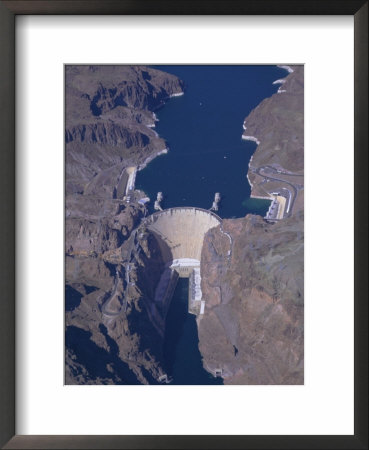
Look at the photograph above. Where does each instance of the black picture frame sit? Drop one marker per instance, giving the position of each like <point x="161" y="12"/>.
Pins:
<point x="8" y="12"/>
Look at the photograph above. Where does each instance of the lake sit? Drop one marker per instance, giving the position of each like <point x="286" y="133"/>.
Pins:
<point x="203" y="129"/>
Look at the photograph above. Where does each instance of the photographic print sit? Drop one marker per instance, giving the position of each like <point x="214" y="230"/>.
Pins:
<point x="184" y="224"/>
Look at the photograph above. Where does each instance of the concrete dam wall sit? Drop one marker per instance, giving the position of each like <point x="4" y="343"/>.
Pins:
<point x="180" y="231"/>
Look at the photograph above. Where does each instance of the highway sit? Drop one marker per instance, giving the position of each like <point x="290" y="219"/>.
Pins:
<point x="106" y="303"/>
<point x="229" y="254"/>
<point x="267" y="176"/>
<point x="274" y="170"/>
<point x="133" y="246"/>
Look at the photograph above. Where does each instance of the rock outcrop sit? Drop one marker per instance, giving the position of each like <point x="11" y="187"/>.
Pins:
<point x="253" y="323"/>
<point x="253" y="327"/>
<point x="278" y="124"/>
<point x="126" y="347"/>
<point x="109" y="120"/>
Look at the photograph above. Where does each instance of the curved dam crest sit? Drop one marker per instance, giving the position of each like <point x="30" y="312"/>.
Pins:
<point x="179" y="233"/>
<point x="183" y="230"/>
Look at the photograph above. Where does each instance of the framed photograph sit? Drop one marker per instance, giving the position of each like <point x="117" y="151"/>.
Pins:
<point x="184" y="242"/>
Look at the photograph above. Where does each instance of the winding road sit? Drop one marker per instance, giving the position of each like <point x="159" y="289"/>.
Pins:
<point x="295" y="187"/>
<point x="104" y="308"/>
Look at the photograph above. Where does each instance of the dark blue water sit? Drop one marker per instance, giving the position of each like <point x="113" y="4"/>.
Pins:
<point x="203" y="130"/>
<point x="181" y="346"/>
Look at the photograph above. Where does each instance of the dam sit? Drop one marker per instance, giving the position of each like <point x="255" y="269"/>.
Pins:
<point x="179" y="233"/>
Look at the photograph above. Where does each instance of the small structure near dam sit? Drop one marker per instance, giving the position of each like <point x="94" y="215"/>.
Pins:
<point x="180" y="233"/>
<point x="214" y="206"/>
<point x="158" y="200"/>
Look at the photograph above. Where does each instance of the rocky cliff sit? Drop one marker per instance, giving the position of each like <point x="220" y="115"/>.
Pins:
<point x="109" y="119"/>
<point x="120" y="345"/>
<point x="253" y="326"/>
<point x="108" y="128"/>
<point x="278" y="124"/>
<point x="252" y="329"/>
